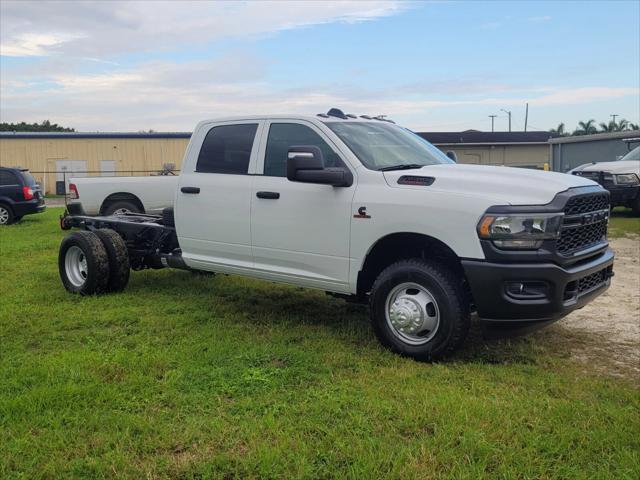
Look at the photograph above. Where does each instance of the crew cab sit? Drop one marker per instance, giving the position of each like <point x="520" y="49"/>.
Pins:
<point x="370" y="212"/>
<point x="117" y="195"/>
<point x="20" y="195"/>
<point x="620" y="177"/>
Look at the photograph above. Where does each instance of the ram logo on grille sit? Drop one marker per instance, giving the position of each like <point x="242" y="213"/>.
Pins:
<point x="589" y="218"/>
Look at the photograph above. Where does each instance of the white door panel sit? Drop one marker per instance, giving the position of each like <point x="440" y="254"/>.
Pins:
<point x="214" y="222"/>
<point x="303" y="234"/>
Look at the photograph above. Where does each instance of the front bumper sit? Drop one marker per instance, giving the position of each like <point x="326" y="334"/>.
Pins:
<point x="525" y="296"/>
<point x="623" y="194"/>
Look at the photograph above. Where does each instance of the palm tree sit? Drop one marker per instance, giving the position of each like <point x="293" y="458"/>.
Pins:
<point x="609" y="127"/>
<point x="634" y="126"/>
<point x="560" y="131"/>
<point x="586" y="128"/>
<point x="623" y="125"/>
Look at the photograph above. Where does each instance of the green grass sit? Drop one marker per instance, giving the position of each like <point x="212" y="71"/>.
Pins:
<point x="623" y="222"/>
<point x="187" y="376"/>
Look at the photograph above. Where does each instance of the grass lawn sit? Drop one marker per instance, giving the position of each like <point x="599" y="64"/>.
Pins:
<point x="623" y="222"/>
<point x="185" y="376"/>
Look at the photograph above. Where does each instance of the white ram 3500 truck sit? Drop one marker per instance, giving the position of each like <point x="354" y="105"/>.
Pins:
<point x="368" y="211"/>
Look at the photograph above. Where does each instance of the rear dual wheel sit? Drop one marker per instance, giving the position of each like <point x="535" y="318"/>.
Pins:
<point x="93" y="262"/>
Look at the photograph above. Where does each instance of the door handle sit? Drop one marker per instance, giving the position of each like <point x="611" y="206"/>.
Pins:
<point x="190" y="189"/>
<point x="268" y="195"/>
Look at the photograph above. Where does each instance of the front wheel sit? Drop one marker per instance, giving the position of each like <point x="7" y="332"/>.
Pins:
<point x="419" y="309"/>
<point x="635" y="207"/>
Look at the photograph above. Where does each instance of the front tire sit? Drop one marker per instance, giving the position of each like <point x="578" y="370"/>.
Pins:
<point x="118" y="254"/>
<point x="419" y="309"/>
<point x="635" y="207"/>
<point x="83" y="264"/>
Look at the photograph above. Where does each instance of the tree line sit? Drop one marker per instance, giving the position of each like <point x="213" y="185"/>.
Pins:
<point x="44" y="126"/>
<point x="590" y="127"/>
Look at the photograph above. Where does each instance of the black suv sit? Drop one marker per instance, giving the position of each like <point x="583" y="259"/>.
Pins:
<point x="19" y="195"/>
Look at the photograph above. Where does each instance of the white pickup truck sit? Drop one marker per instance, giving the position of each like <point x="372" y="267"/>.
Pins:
<point x="370" y="212"/>
<point x="117" y="195"/>
<point x="620" y="177"/>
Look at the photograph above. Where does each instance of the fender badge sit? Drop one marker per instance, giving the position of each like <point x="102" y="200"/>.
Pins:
<point x="362" y="213"/>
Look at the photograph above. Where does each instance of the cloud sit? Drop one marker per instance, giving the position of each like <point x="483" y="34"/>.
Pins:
<point x="175" y="96"/>
<point x="102" y="29"/>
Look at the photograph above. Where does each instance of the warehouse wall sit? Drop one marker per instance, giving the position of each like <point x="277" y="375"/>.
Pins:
<point x="129" y="154"/>
<point x="570" y="155"/>
<point x="43" y="156"/>
<point x="534" y="156"/>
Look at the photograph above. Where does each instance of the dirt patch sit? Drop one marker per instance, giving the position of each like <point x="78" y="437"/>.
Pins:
<point x="605" y="335"/>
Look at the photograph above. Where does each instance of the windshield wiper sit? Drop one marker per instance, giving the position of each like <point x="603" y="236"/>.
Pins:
<point x="402" y="166"/>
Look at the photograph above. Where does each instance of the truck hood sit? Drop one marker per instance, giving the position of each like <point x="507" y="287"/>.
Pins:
<point x="621" y="166"/>
<point x="504" y="185"/>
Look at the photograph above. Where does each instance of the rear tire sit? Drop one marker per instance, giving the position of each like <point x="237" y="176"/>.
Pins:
<point x="118" y="254"/>
<point x="6" y="215"/>
<point x="419" y="309"/>
<point x="122" y="206"/>
<point x="83" y="264"/>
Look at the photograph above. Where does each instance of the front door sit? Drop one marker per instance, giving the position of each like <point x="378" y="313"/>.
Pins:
<point x="213" y="201"/>
<point x="299" y="231"/>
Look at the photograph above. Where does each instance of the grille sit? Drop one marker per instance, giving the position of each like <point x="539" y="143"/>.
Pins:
<point x="575" y="236"/>
<point x="592" y="281"/>
<point x="587" y="284"/>
<point x="587" y="203"/>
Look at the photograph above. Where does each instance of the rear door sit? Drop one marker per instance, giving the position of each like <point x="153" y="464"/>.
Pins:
<point x="213" y="201"/>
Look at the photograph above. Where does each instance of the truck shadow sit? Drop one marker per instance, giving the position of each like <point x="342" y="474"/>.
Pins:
<point x="261" y="303"/>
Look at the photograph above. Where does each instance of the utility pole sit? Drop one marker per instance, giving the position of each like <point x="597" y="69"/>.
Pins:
<point x="614" y="115"/>
<point x="493" y="117"/>
<point x="508" y="113"/>
<point x="526" y="117"/>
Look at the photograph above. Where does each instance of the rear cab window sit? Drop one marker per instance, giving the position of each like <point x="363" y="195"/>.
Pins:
<point x="227" y="149"/>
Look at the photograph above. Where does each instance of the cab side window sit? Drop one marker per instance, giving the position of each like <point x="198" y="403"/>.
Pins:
<point x="284" y="135"/>
<point x="227" y="149"/>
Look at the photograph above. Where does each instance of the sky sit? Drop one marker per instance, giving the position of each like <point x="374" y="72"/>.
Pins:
<point x="430" y="66"/>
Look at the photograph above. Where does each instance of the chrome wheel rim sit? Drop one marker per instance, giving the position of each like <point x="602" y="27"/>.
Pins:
<point x="412" y="313"/>
<point x="121" y="211"/>
<point x="75" y="266"/>
<point x="4" y="216"/>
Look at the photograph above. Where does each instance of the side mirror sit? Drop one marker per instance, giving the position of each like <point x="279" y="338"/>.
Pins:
<point x="452" y="155"/>
<point x="305" y="164"/>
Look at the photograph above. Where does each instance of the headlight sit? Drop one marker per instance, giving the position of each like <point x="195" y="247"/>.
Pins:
<point x="520" y="231"/>
<point x="626" y="179"/>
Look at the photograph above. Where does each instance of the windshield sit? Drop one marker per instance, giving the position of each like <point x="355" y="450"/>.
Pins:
<point x="382" y="145"/>
<point x="632" y="155"/>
